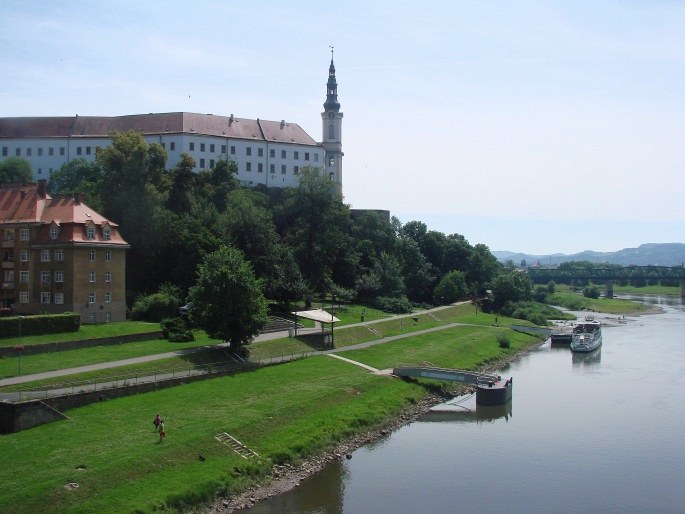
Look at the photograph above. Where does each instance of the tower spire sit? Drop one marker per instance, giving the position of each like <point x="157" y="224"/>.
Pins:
<point x="331" y="103"/>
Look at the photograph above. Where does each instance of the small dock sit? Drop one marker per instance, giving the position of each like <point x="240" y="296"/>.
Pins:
<point x="490" y="389"/>
<point x="562" y="335"/>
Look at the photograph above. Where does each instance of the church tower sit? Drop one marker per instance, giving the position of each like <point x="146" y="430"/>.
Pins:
<point x="331" y="120"/>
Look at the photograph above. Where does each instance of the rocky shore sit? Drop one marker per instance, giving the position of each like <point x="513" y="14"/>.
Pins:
<point x="287" y="477"/>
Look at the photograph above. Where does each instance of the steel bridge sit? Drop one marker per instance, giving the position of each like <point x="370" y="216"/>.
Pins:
<point x="610" y="274"/>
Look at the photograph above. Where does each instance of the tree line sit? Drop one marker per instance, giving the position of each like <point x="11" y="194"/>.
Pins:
<point x="300" y="243"/>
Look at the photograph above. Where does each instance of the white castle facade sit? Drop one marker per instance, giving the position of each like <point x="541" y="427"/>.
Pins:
<point x="269" y="153"/>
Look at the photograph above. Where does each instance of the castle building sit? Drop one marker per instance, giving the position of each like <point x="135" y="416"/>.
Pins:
<point x="268" y="153"/>
<point x="60" y="255"/>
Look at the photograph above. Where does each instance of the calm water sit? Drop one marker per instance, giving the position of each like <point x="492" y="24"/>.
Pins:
<point x="595" y="433"/>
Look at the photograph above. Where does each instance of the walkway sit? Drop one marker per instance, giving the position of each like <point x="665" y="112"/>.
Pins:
<point x="264" y="337"/>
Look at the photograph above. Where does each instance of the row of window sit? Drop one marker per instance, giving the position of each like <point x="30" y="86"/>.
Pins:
<point x="58" y="298"/>
<point x="59" y="255"/>
<point x="80" y="150"/>
<point x="25" y="233"/>
<point x="248" y="151"/>
<point x="46" y="277"/>
<point x="272" y="168"/>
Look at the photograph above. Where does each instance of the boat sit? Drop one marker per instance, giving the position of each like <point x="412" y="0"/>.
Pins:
<point x="587" y="336"/>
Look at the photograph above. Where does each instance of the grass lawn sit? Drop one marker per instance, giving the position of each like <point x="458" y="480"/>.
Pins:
<point x="656" y="290"/>
<point x="283" y="412"/>
<point x="85" y="332"/>
<point x="30" y="364"/>
<point x="577" y="302"/>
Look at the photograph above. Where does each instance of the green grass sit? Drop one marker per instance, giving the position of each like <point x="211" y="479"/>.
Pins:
<point x="85" y="332"/>
<point x="39" y="363"/>
<point x="577" y="302"/>
<point x="660" y="290"/>
<point x="284" y="412"/>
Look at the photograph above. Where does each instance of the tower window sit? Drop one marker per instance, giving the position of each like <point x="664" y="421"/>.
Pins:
<point x="331" y="131"/>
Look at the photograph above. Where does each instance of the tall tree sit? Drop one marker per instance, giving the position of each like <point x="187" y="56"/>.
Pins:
<point x="227" y="299"/>
<point x="78" y="176"/>
<point x="320" y="226"/>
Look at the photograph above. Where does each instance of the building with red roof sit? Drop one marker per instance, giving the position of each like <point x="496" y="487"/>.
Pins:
<point x="60" y="255"/>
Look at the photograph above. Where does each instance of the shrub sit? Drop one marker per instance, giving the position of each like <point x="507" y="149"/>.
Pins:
<point x="540" y="294"/>
<point x="503" y="341"/>
<point x="40" y="324"/>
<point x="551" y="287"/>
<point x="176" y="330"/>
<point x="155" y="307"/>
<point x="397" y="305"/>
<point x="591" y="292"/>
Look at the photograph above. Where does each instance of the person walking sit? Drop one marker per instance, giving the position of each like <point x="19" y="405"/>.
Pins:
<point x="162" y="433"/>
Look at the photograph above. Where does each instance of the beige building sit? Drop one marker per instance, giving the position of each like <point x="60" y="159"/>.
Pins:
<point x="60" y="255"/>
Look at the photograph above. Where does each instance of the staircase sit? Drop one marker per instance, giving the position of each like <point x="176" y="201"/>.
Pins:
<point x="236" y="445"/>
<point x="279" y="324"/>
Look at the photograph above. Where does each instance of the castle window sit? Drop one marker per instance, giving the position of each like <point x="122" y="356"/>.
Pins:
<point x="59" y="255"/>
<point x="283" y="154"/>
<point x="45" y="277"/>
<point x="296" y="169"/>
<point x="91" y="255"/>
<point x="306" y="156"/>
<point x="4" y="151"/>
<point x="51" y="151"/>
<point x="91" y="276"/>
<point x="248" y="166"/>
<point x="78" y="150"/>
<point x="223" y="149"/>
<point x="87" y="150"/>
<point x="106" y="234"/>
<point x="260" y="168"/>
<point x="40" y="151"/>
<point x="283" y="169"/>
<point x="91" y="297"/>
<point x="272" y="153"/>
<point x="108" y="255"/>
<point x="163" y="144"/>
<point x="17" y="152"/>
<point x="211" y="164"/>
<point x="108" y="276"/>
<point x="331" y="161"/>
<point x="260" y="152"/>
<point x="191" y="147"/>
<point x="172" y="146"/>
<point x="296" y="155"/>
<point x="212" y="148"/>
<point x="108" y="296"/>
<point x="45" y="256"/>
<point x="61" y="150"/>
<point x="202" y="163"/>
<point x="90" y="233"/>
<point x="272" y="168"/>
<point x="233" y="150"/>
<point x="316" y="157"/>
<point x="91" y="317"/>
<point x="248" y="150"/>
<point x="28" y="152"/>
<point x="202" y="147"/>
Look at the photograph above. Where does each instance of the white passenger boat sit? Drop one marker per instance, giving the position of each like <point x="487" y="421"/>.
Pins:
<point x="587" y="336"/>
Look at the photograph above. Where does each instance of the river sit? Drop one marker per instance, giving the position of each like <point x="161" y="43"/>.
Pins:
<point x="590" y="433"/>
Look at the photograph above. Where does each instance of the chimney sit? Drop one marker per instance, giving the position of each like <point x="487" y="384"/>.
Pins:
<point x="42" y="188"/>
<point x="282" y="123"/>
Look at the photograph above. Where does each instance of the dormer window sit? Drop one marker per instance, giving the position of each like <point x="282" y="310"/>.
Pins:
<point x="90" y="233"/>
<point x="106" y="233"/>
<point x="54" y="232"/>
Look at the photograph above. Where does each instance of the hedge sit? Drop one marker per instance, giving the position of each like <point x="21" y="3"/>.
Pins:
<point x="40" y="324"/>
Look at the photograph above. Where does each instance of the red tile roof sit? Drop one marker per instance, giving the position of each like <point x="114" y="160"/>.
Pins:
<point x="163" y="123"/>
<point x="32" y="204"/>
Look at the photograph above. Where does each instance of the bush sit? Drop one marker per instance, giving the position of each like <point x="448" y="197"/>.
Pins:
<point x="176" y="330"/>
<point x="155" y="307"/>
<point x="40" y="324"/>
<point x="540" y="294"/>
<point x="397" y="305"/>
<point x="551" y="287"/>
<point x="503" y="341"/>
<point x="591" y="292"/>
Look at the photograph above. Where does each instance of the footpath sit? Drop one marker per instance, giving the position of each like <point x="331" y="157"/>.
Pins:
<point x="196" y="371"/>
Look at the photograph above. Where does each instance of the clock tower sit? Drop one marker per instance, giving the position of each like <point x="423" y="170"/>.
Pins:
<point x="332" y="130"/>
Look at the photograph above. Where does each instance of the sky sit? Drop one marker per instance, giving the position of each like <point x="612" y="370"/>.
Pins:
<point x="530" y="126"/>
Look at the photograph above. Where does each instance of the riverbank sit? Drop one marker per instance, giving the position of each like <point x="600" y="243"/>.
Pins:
<point x="287" y="477"/>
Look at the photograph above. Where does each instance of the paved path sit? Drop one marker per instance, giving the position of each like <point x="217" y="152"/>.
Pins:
<point x="262" y="337"/>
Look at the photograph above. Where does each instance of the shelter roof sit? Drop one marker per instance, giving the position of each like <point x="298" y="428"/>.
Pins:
<point x="317" y="315"/>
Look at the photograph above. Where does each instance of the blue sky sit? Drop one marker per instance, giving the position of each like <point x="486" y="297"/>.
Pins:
<point x="532" y="126"/>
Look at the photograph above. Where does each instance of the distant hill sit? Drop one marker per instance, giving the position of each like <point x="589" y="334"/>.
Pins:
<point x="656" y="254"/>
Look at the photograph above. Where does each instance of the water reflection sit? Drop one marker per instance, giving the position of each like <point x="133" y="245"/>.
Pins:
<point x="588" y="360"/>
<point x="450" y="413"/>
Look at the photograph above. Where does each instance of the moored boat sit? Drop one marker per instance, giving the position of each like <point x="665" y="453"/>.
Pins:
<point x="587" y="336"/>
